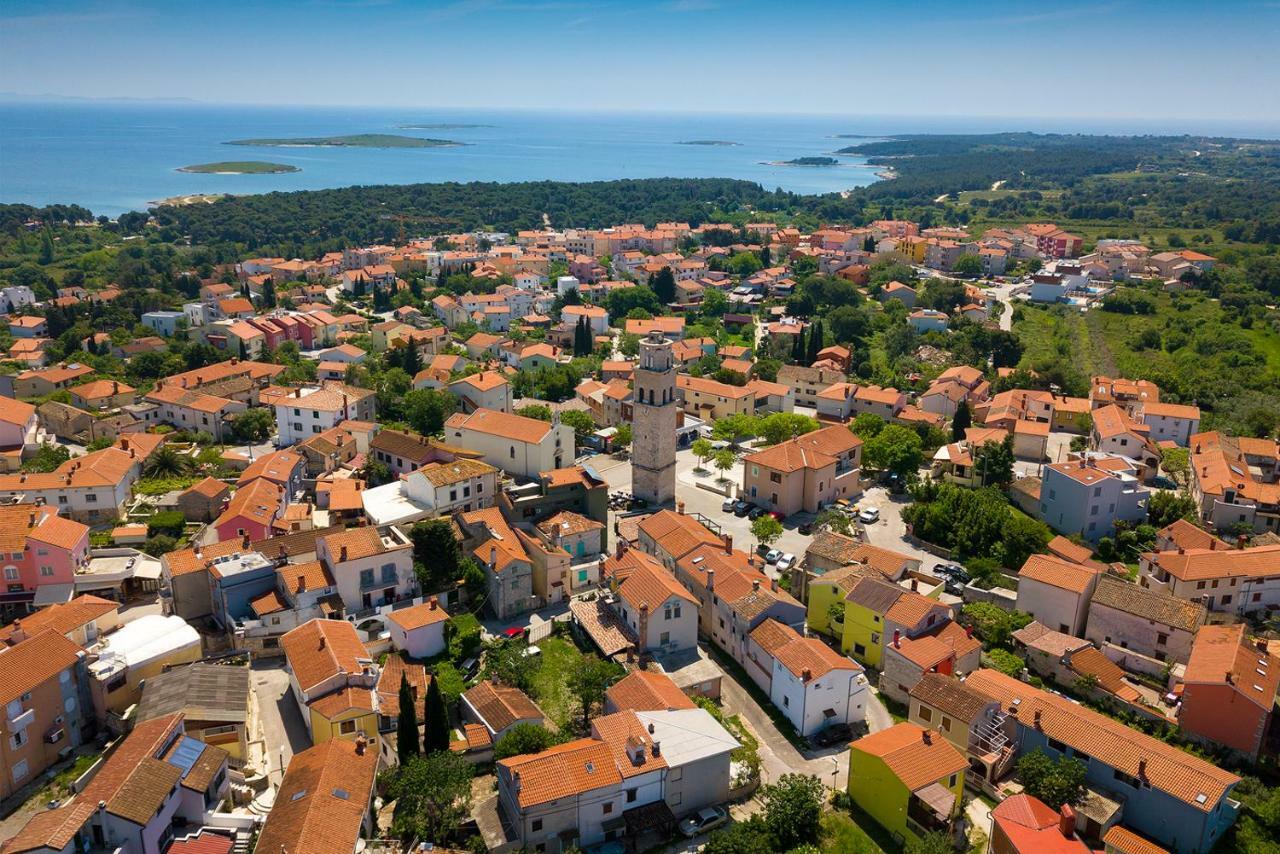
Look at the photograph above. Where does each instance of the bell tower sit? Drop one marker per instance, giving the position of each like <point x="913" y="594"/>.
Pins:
<point x="653" y="422"/>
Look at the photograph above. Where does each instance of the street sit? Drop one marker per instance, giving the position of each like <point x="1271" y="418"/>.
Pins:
<point x="280" y="721"/>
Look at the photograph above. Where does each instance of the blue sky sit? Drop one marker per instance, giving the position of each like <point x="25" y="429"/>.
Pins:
<point x="918" y="57"/>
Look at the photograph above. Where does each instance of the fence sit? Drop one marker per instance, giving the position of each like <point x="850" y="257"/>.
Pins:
<point x="540" y="631"/>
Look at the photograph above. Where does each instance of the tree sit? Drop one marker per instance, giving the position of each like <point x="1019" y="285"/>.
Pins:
<point x="47" y="458"/>
<point x="622" y="438"/>
<point x="723" y="460"/>
<point x="506" y="661"/>
<point x="991" y="623"/>
<point x="433" y="796"/>
<point x="735" y="428"/>
<point x="743" y="837"/>
<point x="766" y="530"/>
<point x="427" y="409"/>
<point x="589" y="680"/>
<point x="522" y="739"/>
<point x="580" y="421"/>
<point x="896" y="449"/>
<point x="793" y="810"/>
<point x="663" y="285"/>
<point x="435" y="717"/>
<point x="703" y="450"/>
<point x="253" y="425"/>
<point x="867" y="425"/>
<point x="1176" y="463"/>
<point x="815" y="342"/>
<point x="960" y="421"/>
<point x="848" y="324"/>
<point x="968" y="267"/>
<point x="781" y="426"/>
<point x="46" y="246"/>
<point x="407" y="745"/>
<point x="994" y="462"/>
<point x="269" y="294"/>
<point x="629" y="344"/>
<point x="1054" y="782"/>
<point x="165" y="461"/>
<point x="1165" y="508"/>
<point x="436" y="555"/>
<point x="934" y="842"/>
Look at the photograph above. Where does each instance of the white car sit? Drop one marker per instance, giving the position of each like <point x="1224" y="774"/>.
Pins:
<point x="707" y="818"/>
<point x="772" y="556"/>
<point x="785" y="562"/>
<point x="869" y="515"/>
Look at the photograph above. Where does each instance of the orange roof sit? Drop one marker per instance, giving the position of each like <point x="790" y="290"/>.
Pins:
<point x="1222" y="655"/>
<point x="62" y="618"/>
<point x="910" y="608"/>
<point x="501" y="706"/>
<point x="209" y="488"/>
<point x="34" y="661"/>
<point x="649" y="586"/>
<point x="646" y="691"/>
<point x="358" y="543"/>
<point x="916" y="756"/>
<point x="1203" y="564"/>
<point x="1056" y="572"/>
<point x="302" y="577"/>
<point x="1032" y="825"/>
<point x="1124" y="841"/>
<point x="320" y="649"/>
<point x="344" y="700"/>
<point x="323" y="799"/>
<point x="420" y="615"/>
<point x="805" y="658"/>
<point x="566" y="769"/>
<point x="494" y="423"/>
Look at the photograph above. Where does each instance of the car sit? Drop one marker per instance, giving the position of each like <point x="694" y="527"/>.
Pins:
<point x="1162" y="482"/>
<point x="772" y="556"/>
<point x="785" y="562"/>
<point x="777" y="515"/>
<point x="868" y="515"/>
<point x="955" y="588"/>
<point x="805" y="528"/>
<point x="728" y="504"/>
<point x="755" y="513"/>
<point x="742" y="508"/>
<point x="513" y="632"/>
<point x="705" y="819"/>
<point x="953" y="571"/>
<point x="834" y="734"/>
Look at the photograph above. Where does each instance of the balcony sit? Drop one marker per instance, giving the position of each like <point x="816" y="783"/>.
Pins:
<point x="22" y="721"/>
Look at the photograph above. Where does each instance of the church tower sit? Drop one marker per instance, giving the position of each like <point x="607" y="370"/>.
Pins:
<point x="653" y="423"/>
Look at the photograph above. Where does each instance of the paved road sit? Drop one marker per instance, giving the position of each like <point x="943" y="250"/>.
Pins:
<point x="890" y="532"/>
<point x="1002" y="293"/>
<point x="279" y="720"/>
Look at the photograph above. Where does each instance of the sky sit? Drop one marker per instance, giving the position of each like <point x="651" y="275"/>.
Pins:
<point x="1138" y="60"/>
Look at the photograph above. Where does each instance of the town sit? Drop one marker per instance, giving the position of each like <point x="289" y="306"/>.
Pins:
<point x="734" y="536"/>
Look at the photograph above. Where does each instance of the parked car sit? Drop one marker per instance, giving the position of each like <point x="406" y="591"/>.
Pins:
<point x="785" y="562"/>
<point x="952" y="571"/>
<point x="834" y="734"/>
<point x="742" y="508"/>
<point x="707" y="818"/>
<point x="868" y="515"/>
<point x="805" y="528"/>
<point x="772" y="556"/>
<point x="1162" y="482"/>
<point x="728" y="504"/>
<point x="755" y="513"/>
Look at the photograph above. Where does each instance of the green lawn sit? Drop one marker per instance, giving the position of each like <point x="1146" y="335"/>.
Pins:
<point x="854" y="833"/>
<point x="559" y="658"/>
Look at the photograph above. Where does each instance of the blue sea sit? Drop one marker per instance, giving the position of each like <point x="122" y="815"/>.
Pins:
<point x="116" y="156"/>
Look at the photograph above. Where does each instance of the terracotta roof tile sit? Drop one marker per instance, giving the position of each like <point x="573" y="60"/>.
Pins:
<point x="322" y="801"/>
<point x="912" y="759"/>
<point x="646" y="691"/>
<point x="320" y="649"/>
<point x="501" y="705"/>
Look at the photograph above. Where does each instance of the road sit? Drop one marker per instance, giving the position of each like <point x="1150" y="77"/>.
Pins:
<point x="280" y="722"/>
<point x="1003" y="295"/>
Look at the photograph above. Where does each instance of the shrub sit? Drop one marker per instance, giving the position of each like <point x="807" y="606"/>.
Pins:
<point x="169" y="522"/>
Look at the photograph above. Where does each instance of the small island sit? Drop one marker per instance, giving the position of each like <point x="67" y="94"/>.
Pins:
<point x="240" y="167"/>
<point x="812" y="161"/>
<point x="359" y="140"/>
<point x="442" y="126"/>
<point x="708" y="142"/>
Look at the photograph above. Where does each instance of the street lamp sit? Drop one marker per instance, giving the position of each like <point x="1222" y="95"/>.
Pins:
<point x="835" y="772"/>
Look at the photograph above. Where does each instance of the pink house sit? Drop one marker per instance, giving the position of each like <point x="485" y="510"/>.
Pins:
<point x="38" y="547"/>
<point x="252" y="511"/>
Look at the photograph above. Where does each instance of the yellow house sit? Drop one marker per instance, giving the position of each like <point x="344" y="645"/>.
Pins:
<point x="909" y="779"/>
<point x="866" y="604"/>
<point x="344" y="714"/>
<point x="827" y="590"/>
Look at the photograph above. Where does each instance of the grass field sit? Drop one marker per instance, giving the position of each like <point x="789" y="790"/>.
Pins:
<point x="559" y="658"/>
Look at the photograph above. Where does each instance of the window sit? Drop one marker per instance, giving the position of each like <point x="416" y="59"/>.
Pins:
<point x="786" y="701"/>
<point x="859" y="649"/>
<point x="366" y="577"/>
<point x="11" y="573"/>
<point x="1162" y="638"/>
<point x="536" y="825"/>
<point x="926" y="714"/>
<point x="631" y="796"/>
<point x="951" y="783"/>
<point x="1122" y="777"/>
<point x="774" y="477"/>
<point x="91" y="497"/>
<point x="347" y="727"/>
<point x="19" y="770"/>
<point x="389" y="573"/>
<point x="513" y="452"/>
<point x="676" y="611"/>
<point x="18" y="739"/>
<point x="607" y="807"/>
<point x="946" y="724"/>
<point x="1062" y="627"/>
<point x="1199" y="585"/>
<point x="1226" y="600"/>
<point x="1057" y="745"/>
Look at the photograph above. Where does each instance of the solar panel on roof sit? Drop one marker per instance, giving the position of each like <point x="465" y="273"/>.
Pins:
<point x="186" y="754"/>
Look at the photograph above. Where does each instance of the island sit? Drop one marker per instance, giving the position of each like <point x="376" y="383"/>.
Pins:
<point x="708" y="142"/>
<point x="442" y="126"/>
<point x="359" y="140"/>
<point x="812" y="161"/>
<point x="240" y="167"/>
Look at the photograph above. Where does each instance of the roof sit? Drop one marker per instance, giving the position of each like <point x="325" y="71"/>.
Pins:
<point x="1031" y="825"/>
<point x="63" y="618"/>
<point x="567" y="769"/>
<point x="1090" y="661"/>
<point x="444" y="474"/>
<point x="417" y="616"/>
<point x="349" y="697"/>
<point x="874" y="594"/>
<point x="807" y="658"/>
<point x="1142" y="602"/>
<point x="1038" y="636"/>
<point x="650" y="586"/>
<point x="1187" y="535"/>
<point x="1056" y="572"/>
<point x="321" y="649"/>
<point x="323" y="799"/>
<point x="210" y="488"/>
<point x="915" y="761"/>
<point x="398" y="443"/>
<point x="950" y="696"/>
<point x="1124" y="841"/>
<point x="354" y="543"/>
<point x="1201" y="564"/>
<point x="645" y="690"/>
<point x="910" y="608"/>
<point x="201" y="692"/>
<point x="514" y="427"/>
<point x="34" y="661"/>
<point x="1067" y="550"/>
<point x="389" y="684"/>
<point x="1167" y="768"/>
<point x="500" y="706"/>
<point x="1222" y="655"/>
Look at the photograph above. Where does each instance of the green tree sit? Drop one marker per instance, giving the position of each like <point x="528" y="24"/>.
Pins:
<point x="536" y="411"/>
<point x="991" y="623"/>
<point x="743" y="837"/>
<point x="253" y="425"/>
<point x="407" y="745"/>
<point x="629" y="344"/>
<point x="165" y="461"/>
<point x="436" y="555"/>
<point x="47" y="458"/>
<point x="702" y="449"/>
<point x="867" y="425"/>
<point x="433" y="796"/>
<point x="1054" y="782"/>
<point x="1164" y="508"/>
<point x="723" y="460"/>
<point x="1176" y="463"/>
<point x="734" y="428"/>
<point x="766" y="530"/>
<point x="896" y="449"/>
<point x="580" y="421"/>
<point x="622" y="438"/>
<point x="269" y="294"/>
<point x="961" y="421"/>
<point x="994" y="462"/>
<point x="523" y="739"/>
<point x="505" y="660"/>
<point x="46" y="246"/>
<point x="934" y="842"/>
<point x="435" y="718"/>
<point x="663" y="285"/>
<point x="427" y="409"/>
<point x="780" y="426"/>
<point x="968" y="267"/>
<point x="793" y="810"/>
<point x="589" y="680"/>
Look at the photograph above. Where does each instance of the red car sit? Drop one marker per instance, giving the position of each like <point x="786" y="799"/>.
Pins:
<point x="513" y="632"/>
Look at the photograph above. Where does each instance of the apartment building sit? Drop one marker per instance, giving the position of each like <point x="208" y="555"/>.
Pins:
<point x="519" y="446"/>
<point x="805" y="473"/>
<point x="370" y="569"/>
<point x="1087" y="497"/>
<point x="1234" y="581"/>
<point x="310" y="410"/>
<point x="1236" y="481"/>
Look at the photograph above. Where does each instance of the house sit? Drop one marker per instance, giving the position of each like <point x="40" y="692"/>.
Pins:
<point x="519" y="446"/>
<point x="897" y="290"/>
<point x="436" y="489"/>
<point x="194" y="410"/>
<point x="671" y="328"/>
<point x="874" y="609"/>
<point x="806" y="383"/>
<point x="805" y="473"/>
<point x="310" y="410"/>
<point x="401" y="452"/>
<point x="394" y="669"/>
<point x="92" y="488"/>
<point x="597" y="318"/>
<point x="102" y="394"/>
<point x="40" y="549"/>
<point x="81" y="620"/>
<point x="135" y="652"/>
<point x="419" y="629"/>
<point x="48" y="380"/>
<point x="1023" y="824"/>
<point x="1142" y="621"/>
<point x="874" y="400"/>
<point x="1087" y="497"/>
<point x="1236" y="481"/>
<point x="370" y="569"/>
<point x="909" y="779"/>
<point x="928" y="320"/>
<point x="164" y="322"/>
<point x="509" y="569"/>
<point x="1229" y="690"/>
<point x="659" y="611"/>
<point x="1171" y="422"/>
<point x="498" y="708"/>
<point x="485" y="390"/>
<point x="1224" y="580"/>
<point x="949" y="649"/>
<point x="711" y="400"/>
<point x="1169" y="795"/>
<point x="1115" y="432"/>
<point x="332" y="677"/>
<point x="158" y="778"/>
<point x="645" y="691"/>
<point x="325" y="801"/>
<point x="811" y="684"/>
<point x="26" y="326"/>
<point x="46" y="699"/>
<point x="253" y="511"/>
<point x="1056" y="592"/>
<point x="634" y="769"/>
<point x="970" y="720"/>
<point x="203" y="501"/>
<point x="213" y="700"/>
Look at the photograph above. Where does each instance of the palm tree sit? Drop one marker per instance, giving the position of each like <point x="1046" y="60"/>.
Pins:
<point x="166" y="462"/>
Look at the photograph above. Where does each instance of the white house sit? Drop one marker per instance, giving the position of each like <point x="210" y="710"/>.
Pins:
<point x="660" y="611"/>
<point x="517" y="445"/>
<point x="369" y="569"/>
<point x="928" y="320"/>
<point x="311" y="410"/>
<point x="810" y="683"/>
<point x="419" y="629"/>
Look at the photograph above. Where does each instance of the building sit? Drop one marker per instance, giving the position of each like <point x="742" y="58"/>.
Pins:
<point x="1171" y="422"/>
<point x="970" y="720"/>
<point x="660" y="612"/>
<point x="805" y="473"/>
<point x="654" y="416"/>
<point x="1056" y="592"/>
<point x="46" y="700"/>
<point x="1166" y="794"/>
<point x="370" y="569"/>
<point x="82" y="620"/>
<point x="418" y="630"/>
<point x="1229" y="690"/>
<point x="508" y="567"/>
<point x="948" y="649"/>
<point x="645" y="691"/>
<point x="1023" y="824"/>
<point x="1086" y="498"/>
<point x="252" y="512"/>
<point x="519" y="446"/>
<point x="811" y="684"/>
<point x="401" y="452"/>
<point x="39" y="549"/>
<point x="325" y="801"/>
<point x="498" y="708"/>
<point x="1233" y="581"/>
<point x="134" y="653"/>
<point x="1236" y="480"/>
<point x="213" y="700"/>
<point x="711" y="400"/>
<point x="909" y="779"/>
<point x="485" y="390"/>
<point x="806" y="383"/>
<point x="332" y="677"/>
<point x="310" y="410"/>
<point x="163" y="322"/>
<point x="1142" y="621"/>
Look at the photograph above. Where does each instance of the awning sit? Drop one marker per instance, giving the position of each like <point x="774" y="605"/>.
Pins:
<point x="655" y="816"/>
<point x="938" y="798"/>
<point x="53" y="594"/>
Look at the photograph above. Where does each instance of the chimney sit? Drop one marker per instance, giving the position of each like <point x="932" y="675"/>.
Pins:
<point x="493" y="557"/>
<point x="968" y="631"/>
<point x="1213" y="546"/>
<point x="728" y="544"/>
<point x="806" y="674"/>
<point x="711" y="579"/>
<point x="323" y="641"/>
<point x="680" y="507"/>
<point x="897" y="637"/>
<point x="773" y="584"/>
<point x="360" y="743"/>
<point x="1067" y="821"/>
<point x="1142" y="769"/>
<point x="302" y="583"/>
<point x="1183" y="551"/>
<point x="926" y="736"/>
<point x="619" y="548"/>
<point x="1037" y="720"/>
<point x="657" y="748"/>
<point x="914" y="585"/>
<point x="644" y="626"/>
<point x="19" y="634"/>
<point x="245" y="542"/>
<point x="1240" y="541"/>
<point x="651" y="728"/>
<point x="342" y="555"/>
<point x="1231" y="678"/>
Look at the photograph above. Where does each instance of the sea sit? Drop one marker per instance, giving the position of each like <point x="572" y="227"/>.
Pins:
<point x="116" y="156"/>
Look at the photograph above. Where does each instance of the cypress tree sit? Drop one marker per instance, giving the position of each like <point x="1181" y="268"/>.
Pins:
<point x="797" y="348"/>
<point x="269" y="294"/>
<point x="406" y="724"/>
<point x="435" y="736"/>
<point x="815" y="341"/>
<point x="411" y="360"/>
<point x="960" y="421"/>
